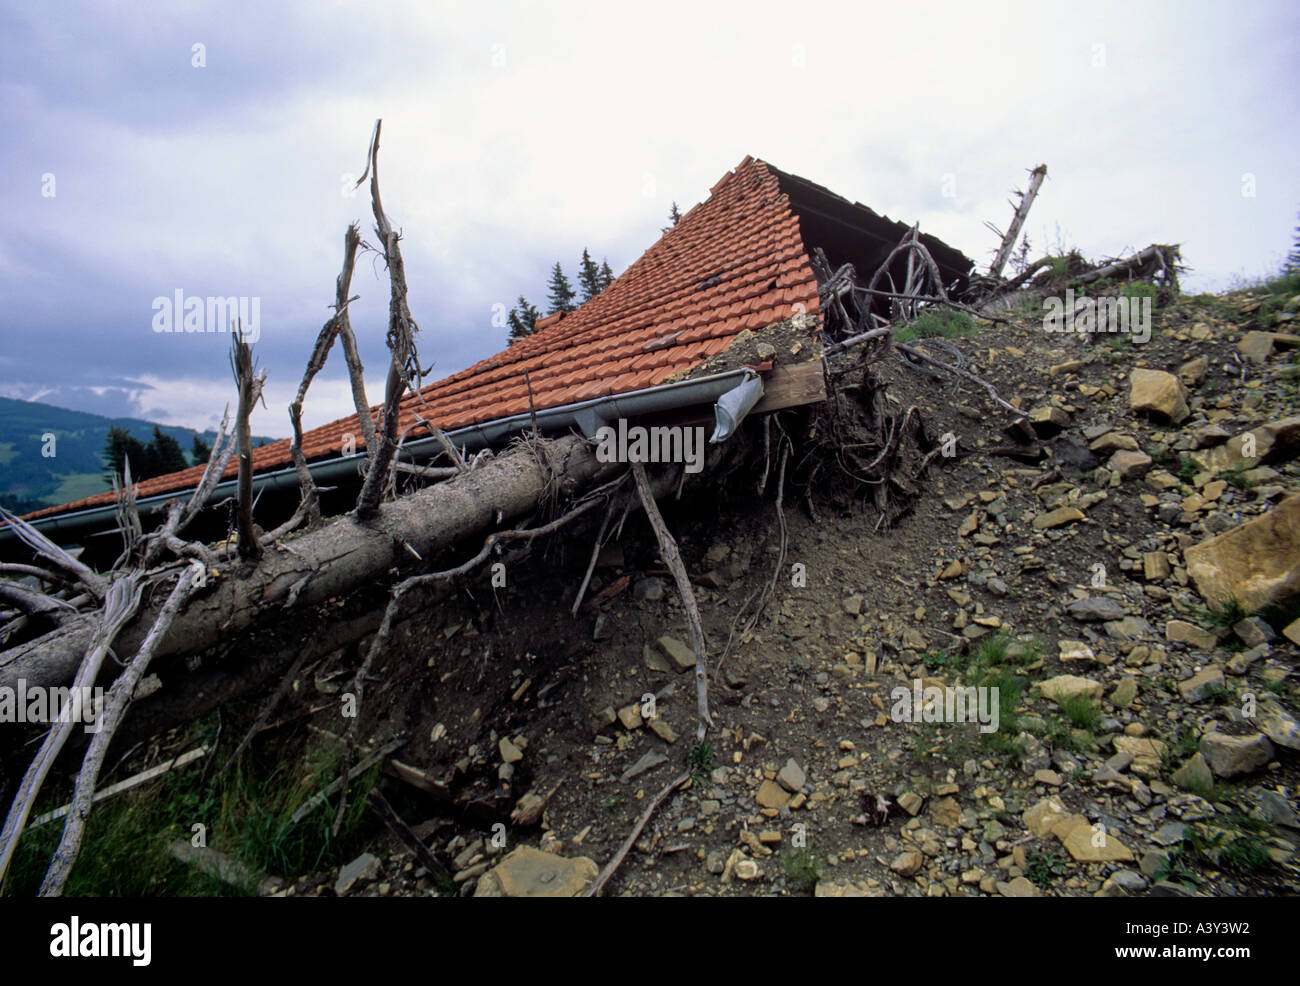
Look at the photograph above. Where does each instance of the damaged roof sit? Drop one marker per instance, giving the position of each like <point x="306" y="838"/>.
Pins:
<point x="739" y="260"/>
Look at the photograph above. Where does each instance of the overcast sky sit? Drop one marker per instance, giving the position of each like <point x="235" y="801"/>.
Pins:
<point x="206" y="148"/>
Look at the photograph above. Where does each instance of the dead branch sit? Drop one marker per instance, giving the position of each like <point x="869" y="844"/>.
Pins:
<point x="33" y="603"/>
<point x="401" y="344"/>
<point x="1022" y="207"/>
<point x="128" y="517"/>
<point x="119" y="697"/>
<point x="406" y="835"/>
<point x="120" y="603"/>
<point x="19" y="571"/>
<point x="134" y="781"/>
<point x="612" y="866"/>
<point x="595" y="553"/>
<point x="250" y="384"/>
<point x="94" y="583"/>
<point x="673" y="559"/>
<point x="315" y="363"/>
<point x="340" y="556"/>
<point x="180" y="514"/>
<point x="1158" y="259"/>
<point x="912" y="244"/>
<point x="964" y="374"/>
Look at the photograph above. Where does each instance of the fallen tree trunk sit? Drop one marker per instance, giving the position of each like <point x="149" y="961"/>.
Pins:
<point x="332" y="560"/>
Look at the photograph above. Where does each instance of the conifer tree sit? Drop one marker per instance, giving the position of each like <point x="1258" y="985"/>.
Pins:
<point x="560" y="292"/>
<point x="674" y="216"/>
<point x="589" y="277"/>
<point x="166" y="454"/>
<point x="200" y="450"/>
<point x="523" y="320"/>
<point x="122" y="445"/>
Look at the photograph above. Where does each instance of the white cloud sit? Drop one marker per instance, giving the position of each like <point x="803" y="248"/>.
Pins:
<point x="516" y="135"/>
<point x="197" y="403"/>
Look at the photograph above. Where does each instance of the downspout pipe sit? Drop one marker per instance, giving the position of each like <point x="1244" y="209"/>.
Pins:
<point x="733" y="393"/>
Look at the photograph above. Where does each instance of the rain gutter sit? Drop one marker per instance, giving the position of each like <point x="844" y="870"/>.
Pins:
<point x="732" y="393"/>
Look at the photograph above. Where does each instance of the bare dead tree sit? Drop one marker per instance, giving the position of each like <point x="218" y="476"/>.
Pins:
<point x="250" y="384"/>
<point x="1024" y="202"/>
<point x="403" y="370"/>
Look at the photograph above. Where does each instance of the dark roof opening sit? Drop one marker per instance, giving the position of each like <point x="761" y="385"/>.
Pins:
<point x="849" y="232"/>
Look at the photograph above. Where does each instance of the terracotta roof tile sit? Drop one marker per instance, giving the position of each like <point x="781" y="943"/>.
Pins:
<point x="746" y="234"/>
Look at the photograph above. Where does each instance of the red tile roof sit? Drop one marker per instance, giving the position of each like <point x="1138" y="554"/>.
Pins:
<point x="735" y="261"/>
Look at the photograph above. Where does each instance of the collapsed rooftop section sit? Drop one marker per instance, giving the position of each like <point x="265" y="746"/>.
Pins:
<point x="743" y="259"/>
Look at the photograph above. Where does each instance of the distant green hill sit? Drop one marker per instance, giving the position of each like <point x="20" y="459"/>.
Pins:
<point x="30" y="480"/>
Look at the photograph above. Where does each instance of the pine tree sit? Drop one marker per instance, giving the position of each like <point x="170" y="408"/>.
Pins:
<point x="200" y="450"/>
<point x="560" y="292"/>
<point x="122" y="445"/>
<point x="523" y="320"/>
<point x="675" y="216"/>
<point x="606" y="275"/>
<point x="589" y="277"/>
<point x="166" y="454"/>
<point x="148" y="459"/>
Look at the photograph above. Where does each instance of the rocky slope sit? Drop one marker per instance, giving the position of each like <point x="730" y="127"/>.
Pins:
<point x="1126" y="578"/>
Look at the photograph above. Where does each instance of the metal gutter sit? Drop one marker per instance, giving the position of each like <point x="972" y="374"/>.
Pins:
<point x="733" y="393"/>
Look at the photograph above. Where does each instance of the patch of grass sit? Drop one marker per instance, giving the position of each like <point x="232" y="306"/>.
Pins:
<point x="1082" y="711"/>
<point x="257" y="810"/>
<point x="801" y="868"/>
<point x="1006" y="745"/>
<point x="1209" y="791"/>
<point x="1249" y="823"/>
<point x="124" y="848"/>
<point x="1178" y="748"/>
<point x="944" y="742"/>
<point x="1237" y="477"/>
<point x="1222" y="617"/>
<point x="943" y="322"/>
<point x="1246" y="854"/>
<point x="1176" y="868"/>
<point x="1220" y="694"/>
<point x="700" y="760"/>
<point x="1139" y="289"/>
<point x="1285" y="285"/>
<point x="1278" y="292"/>
<point x="1241" y="853"/>
<point x="1187" y="469"/>
<point x="992" y="650"/>
<point x="1058" y="735"/>
<point x="935" y="660"/>
<point x="1043" y="867"/>
<point x="246" y="815"/>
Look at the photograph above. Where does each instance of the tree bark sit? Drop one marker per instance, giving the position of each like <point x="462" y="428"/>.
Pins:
<point x="335" y="559"/>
